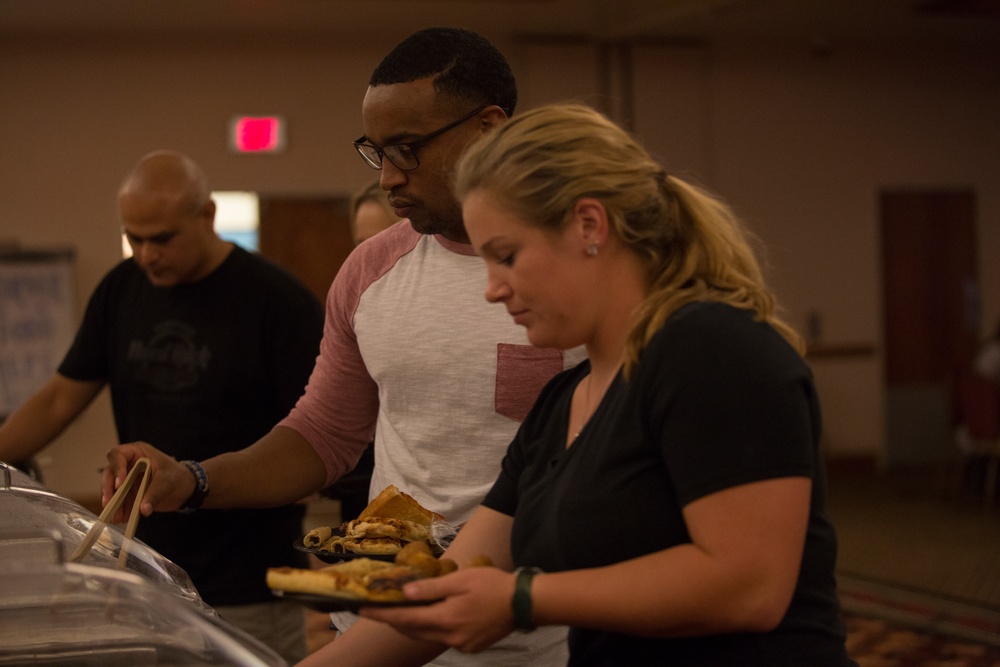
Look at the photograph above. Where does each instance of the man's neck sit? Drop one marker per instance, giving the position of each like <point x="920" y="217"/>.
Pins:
<point x="219" y="252"/>
<point x="457" y="236"/>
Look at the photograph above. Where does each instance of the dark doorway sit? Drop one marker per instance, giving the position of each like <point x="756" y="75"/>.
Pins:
<point x="931" y="307"/>
<point x="309" y="236"/>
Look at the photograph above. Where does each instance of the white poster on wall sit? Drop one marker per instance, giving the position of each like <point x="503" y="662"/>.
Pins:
<point x="37" y="321"/>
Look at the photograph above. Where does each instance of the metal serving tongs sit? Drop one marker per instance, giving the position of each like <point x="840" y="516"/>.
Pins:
<point x="109" y="511"/>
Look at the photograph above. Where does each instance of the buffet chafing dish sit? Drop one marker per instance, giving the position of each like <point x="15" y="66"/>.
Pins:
<point x="102" y="610"/>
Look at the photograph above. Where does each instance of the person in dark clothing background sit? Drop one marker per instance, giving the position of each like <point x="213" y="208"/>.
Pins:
<point x="204" y="347"/>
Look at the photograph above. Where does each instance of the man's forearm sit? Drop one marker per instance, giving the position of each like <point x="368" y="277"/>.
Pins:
<point x="279" y="469"/>
<point x="42" y="417"/>
<point x="22" y="437"/>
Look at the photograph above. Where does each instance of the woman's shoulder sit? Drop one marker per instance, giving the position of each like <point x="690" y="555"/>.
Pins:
<point x="700" y="313"/>
<point x="718" y="333"/>
<point x="706" y="321"/>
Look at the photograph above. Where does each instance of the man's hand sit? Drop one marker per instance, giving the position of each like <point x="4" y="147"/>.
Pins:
<point x="170" y="483"/>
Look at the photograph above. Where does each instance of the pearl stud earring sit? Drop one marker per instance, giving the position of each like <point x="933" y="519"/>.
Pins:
<point x="592" y="250"/>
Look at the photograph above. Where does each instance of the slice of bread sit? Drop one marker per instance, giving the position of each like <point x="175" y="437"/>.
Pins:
<point x="393" y="503"/>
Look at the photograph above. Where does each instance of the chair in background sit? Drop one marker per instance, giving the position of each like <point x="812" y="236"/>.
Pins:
<point x="977" y="405"/>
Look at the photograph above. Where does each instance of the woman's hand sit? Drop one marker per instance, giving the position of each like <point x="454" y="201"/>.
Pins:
<point x="475" y="611"/>
<point x="170" y="483"/>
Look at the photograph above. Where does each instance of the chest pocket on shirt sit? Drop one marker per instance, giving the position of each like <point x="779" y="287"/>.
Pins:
<point x="522" y="371"/>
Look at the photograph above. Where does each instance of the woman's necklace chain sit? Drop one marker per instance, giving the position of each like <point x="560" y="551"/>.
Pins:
<point x="587" y="410"/>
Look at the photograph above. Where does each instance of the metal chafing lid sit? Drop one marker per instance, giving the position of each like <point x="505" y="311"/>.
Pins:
<point x="29" y="511"/>
<point x="72" y="613"/>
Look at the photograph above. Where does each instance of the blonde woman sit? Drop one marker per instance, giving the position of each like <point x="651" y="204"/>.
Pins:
<point x="665" y="499"/>
<point x="370" y="213"/>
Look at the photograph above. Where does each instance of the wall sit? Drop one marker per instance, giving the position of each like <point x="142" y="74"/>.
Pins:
<point x="799" y="141"/>
<point x="804" y="143"/>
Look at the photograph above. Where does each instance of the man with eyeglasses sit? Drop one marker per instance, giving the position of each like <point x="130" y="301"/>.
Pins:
<point x="411" y="352"/>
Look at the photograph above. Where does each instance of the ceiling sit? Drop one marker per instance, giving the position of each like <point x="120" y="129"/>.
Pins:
<point x="944" y="21"/>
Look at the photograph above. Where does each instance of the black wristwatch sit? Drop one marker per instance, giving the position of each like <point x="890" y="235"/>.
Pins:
<point x="523" y="618"/>
<point x="200" y="487"/>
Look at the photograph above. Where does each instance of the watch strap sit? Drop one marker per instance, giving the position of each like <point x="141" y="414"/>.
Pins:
<point x="521" y="604"/>
<point x="200" y="487"/>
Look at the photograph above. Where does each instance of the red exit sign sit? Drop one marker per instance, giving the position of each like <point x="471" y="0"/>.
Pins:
<point x="257" y="134"/>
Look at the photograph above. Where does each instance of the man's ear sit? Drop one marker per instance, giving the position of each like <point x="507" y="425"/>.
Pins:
<point x="207" y="212"/>
<point x="491" y="117"/>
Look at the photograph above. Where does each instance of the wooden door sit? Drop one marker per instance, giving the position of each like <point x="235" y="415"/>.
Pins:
<point x="309" y="236"/>
<point x="931" y="315"/>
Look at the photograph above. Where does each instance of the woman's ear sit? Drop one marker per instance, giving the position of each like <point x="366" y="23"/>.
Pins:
<point x="591" y="219"/>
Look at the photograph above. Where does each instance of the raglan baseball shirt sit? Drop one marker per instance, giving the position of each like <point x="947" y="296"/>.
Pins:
<point x="414" y="353"/>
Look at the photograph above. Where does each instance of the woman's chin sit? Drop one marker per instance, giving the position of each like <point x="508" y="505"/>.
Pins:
<point x="541" y="339"/>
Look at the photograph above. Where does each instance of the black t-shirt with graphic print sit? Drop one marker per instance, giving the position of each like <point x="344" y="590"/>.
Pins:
<point x="198" y="370"/>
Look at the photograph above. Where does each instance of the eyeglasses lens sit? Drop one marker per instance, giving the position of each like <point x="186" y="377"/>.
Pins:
<point x="402" y="156"/>
<point x="370" y="155"/>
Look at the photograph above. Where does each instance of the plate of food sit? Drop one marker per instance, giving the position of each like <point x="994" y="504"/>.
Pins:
<point x="351" y="584"/>
<point x="332" y="603"/>
<point x="391" y="520"/>
<point x="328" y="555"/>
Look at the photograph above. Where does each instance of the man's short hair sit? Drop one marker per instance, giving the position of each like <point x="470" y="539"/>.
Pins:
<point x="465" y="65"/>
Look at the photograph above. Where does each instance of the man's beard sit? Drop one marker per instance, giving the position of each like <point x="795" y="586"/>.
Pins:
<point x="429" y="223"/>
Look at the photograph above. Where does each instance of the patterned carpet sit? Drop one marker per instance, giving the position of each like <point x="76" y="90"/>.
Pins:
<point x="874" y="642"/>
<point x="890" y="626"/>
<point x="918" y="569"/>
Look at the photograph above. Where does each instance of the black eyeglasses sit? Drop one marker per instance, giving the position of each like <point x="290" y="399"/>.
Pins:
<point x="403" y="155"/>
